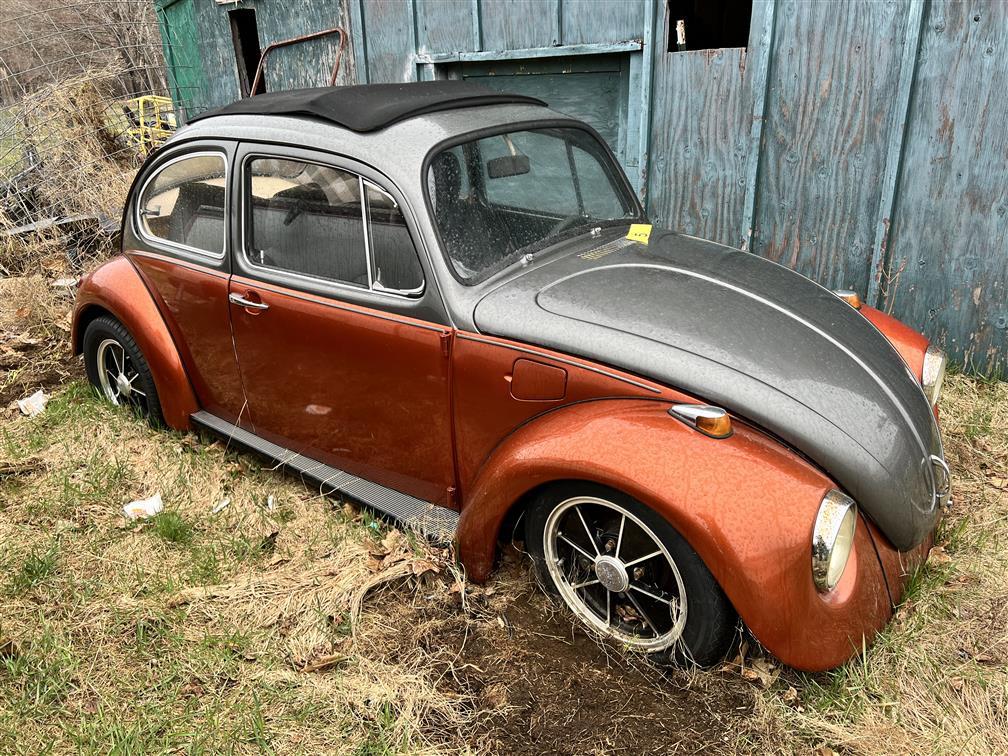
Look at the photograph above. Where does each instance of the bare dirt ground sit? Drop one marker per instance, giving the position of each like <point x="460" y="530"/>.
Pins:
<point x="239" y="622"/>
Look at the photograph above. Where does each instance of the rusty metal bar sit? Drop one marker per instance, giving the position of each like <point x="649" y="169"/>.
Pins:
<point x="260" y="77"/>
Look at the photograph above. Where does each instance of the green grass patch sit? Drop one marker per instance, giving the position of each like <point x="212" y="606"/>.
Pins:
<point x="172" y="527"/>
<point x="39" y="565"/>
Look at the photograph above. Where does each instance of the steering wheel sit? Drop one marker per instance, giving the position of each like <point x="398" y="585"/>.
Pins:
<point x="565" y="223"/>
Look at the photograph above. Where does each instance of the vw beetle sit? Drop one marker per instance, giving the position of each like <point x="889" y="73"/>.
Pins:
<point x="447" y="303"/>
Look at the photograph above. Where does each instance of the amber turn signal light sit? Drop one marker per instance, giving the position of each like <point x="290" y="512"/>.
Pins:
<point x="709" y="420"/>
<point x="849" y="296"/>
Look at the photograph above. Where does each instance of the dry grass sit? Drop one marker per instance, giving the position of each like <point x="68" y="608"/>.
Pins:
<point x="308" y="626"/>
<point x="71" y="135"/>
<point x="34" y="332"/>
<point x="937" y="679"/>
<point x="138" y="635"/>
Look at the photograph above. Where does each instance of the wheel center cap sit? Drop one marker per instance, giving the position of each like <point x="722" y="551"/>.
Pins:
<point x="612" y="574"/>
<point x="122" y="382"/>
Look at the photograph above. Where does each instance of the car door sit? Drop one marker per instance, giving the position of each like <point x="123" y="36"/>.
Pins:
<point x="176" y="235"/>
<point x="341" y="343"/>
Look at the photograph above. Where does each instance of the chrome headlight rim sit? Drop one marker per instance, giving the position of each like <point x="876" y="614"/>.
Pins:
<point x="933" y="374"/>
<point x="832" y="539"/>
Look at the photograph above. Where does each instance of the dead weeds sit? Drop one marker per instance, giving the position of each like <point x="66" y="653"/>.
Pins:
<point x="253" y="614"/>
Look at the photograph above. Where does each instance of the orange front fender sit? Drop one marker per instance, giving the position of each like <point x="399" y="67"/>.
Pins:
<point x="116" y="288"/>
<point x="745" y="504"/>
<point x="910" y="344"/>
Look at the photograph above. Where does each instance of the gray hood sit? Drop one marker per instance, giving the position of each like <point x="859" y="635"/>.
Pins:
<point x="738" y="331"/>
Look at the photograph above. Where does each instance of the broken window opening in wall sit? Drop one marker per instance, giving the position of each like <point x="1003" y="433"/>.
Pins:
<point x="245" y="36"/>
<point x="707" y="24"/>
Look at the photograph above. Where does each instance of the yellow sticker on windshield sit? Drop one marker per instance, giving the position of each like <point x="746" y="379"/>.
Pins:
<point x="639" y="232"/>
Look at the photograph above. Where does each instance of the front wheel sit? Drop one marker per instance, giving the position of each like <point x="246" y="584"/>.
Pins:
<point x="627" y="574"/>
<point x="117" y="369"/>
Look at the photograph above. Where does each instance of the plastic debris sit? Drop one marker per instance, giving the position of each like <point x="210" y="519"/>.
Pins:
<point x="34" y="404"/>
<point x="221" y="505"/>
<point x="144" y="508"/>
<point x="65" y="283"/>
<point x="270" y="503"/>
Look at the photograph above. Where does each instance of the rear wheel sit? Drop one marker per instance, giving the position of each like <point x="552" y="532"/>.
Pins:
<point x="117" y="369"/>
<point x="627" y="574"/>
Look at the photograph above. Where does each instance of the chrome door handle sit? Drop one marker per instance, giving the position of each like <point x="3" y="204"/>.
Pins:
<point x="239" y="300"/>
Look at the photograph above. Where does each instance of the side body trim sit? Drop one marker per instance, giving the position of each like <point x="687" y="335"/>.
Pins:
<point x="435" y="522"/>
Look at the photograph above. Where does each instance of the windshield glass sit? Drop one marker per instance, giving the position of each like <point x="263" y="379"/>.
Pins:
<point x="497" y="198"/>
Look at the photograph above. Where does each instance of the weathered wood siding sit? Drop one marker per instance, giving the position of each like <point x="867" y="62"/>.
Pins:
<point x="860" y="142"/>
<point x="829" y="116"/>
<point x="948" y="244"/>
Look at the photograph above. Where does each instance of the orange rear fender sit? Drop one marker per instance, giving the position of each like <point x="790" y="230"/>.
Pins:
<point x="116" y="288"/>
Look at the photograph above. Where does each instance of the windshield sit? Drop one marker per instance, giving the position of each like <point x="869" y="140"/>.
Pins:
<point x="498" y="198"/>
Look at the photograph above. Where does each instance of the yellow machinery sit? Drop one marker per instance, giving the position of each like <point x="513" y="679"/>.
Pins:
<point x="151" y="120"/>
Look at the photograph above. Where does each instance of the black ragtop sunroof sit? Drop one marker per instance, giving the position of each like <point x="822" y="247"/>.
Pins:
<point x="369" y="107"/>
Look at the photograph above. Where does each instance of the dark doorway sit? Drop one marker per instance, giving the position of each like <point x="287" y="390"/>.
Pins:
<point x="245" y="36"/>
<point x="708" y="24"/>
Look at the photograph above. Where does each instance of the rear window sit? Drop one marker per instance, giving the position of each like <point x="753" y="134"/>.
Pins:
<point x="183" y="203"/>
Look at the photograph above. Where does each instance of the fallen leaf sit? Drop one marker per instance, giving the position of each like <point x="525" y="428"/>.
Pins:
<point x="956" y="683"/>
<point x="790" y="695"/>
<point x="763" y="671"/>
<point x="391" y="541"/>
<point x="938" y="556"/>
<point x="325" y="662"/>
<point x="192" y="688"/>
<point x="23" y="312"/>
<point x="422" y="567"/>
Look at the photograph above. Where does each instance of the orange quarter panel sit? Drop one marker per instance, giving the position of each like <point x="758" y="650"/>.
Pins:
<point x="117" y="288"/>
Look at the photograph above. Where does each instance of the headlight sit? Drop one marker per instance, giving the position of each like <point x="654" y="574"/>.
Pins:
<point x="832" y="539"/>
<point x="934" y="373"/>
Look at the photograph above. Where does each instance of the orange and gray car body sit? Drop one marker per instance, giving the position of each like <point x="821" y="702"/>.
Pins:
<point x="468" y="399"/>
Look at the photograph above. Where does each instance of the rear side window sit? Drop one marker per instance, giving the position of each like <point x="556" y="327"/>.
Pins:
<point x="183" y="203"/>
<point x="306" y="218"/>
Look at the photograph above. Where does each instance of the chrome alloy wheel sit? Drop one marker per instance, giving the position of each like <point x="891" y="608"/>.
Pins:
<point x="615" y="573"/>
<point x="117" y="375"/>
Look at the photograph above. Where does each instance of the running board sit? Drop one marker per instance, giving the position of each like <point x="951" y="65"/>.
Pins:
<point x="436" y="522"/>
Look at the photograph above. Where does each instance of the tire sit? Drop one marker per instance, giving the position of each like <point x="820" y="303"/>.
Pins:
<point x="125" y="378"/>
<point x="667" y="605"/>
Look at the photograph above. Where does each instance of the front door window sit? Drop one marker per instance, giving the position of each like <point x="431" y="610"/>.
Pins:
<point x="305" y="218"/>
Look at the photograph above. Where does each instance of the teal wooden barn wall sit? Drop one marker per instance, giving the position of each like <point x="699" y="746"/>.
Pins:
<point x="859" y="142"/>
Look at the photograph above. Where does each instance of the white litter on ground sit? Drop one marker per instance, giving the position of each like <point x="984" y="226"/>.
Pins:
<point x="144" y="508"/>
<point x="221" y="505"/>
<point x="33" y="404"/>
